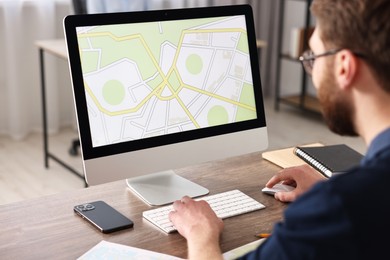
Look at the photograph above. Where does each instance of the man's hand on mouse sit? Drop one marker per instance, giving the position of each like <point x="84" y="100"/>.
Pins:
<point x="301" y="177"/>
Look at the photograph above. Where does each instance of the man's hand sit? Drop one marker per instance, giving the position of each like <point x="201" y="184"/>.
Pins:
<point x="198" y="223"/>
<point x="301" y="177"/>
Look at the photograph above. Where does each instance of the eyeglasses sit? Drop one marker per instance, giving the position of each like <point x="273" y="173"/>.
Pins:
<point x="308" y="58"/>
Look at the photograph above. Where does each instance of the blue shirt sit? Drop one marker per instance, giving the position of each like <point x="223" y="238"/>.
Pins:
<point x="346" y="217"/>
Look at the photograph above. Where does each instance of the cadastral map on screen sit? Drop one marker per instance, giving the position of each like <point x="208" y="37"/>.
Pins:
<point x="150" y="79"/>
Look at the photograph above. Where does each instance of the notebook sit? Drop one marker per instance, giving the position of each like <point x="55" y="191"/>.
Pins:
<point x="285" y="158"/>
<point x="331" y="159"/>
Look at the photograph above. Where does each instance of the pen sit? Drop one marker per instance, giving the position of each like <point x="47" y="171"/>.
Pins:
<point x="263" y="235"/>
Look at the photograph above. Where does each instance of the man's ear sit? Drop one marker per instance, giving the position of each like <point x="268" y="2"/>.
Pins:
<point x="346" y="68"/>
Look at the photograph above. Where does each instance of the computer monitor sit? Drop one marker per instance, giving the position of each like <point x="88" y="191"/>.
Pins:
<point x="159" y="90"/>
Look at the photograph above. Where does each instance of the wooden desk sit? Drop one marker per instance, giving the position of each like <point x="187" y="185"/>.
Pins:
<point x="47" y="228"/>
<point x="57" y="48"/>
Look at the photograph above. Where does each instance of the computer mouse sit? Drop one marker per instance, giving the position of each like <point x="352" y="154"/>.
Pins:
<point x="276" y="188"/>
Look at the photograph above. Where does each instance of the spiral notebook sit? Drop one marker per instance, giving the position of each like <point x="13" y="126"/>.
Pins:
<point x="331" y="159"/>
<point x="285" y="158"/>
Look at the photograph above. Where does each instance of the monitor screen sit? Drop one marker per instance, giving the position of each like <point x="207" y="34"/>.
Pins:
<point x="158" y="90"/>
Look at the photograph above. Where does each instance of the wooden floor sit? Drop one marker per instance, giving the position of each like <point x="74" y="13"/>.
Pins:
<point x="23" y="175"/>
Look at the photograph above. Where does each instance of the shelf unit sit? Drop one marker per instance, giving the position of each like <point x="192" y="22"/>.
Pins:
<point x="302" y="99"/>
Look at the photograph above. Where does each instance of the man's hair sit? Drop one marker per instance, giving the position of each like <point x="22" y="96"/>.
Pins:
<point x="362" y="26"/>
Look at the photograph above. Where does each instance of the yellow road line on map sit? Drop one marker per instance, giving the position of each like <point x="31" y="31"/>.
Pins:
<point x="125" y="38"/>
<point x="220" y="98"/>
<point x="214" y="30"/>
<point x="192" y="118"/>
<point x="174" y="67"/>
<point x="121" y="112"/>
<point x="198" y="31"/>
<point x="188" y="112"/>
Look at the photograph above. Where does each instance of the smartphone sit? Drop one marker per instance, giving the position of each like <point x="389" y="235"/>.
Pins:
<point x="103" y="216"/>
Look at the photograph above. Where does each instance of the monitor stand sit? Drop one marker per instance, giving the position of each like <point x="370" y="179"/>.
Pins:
<point x="165" y="187"/>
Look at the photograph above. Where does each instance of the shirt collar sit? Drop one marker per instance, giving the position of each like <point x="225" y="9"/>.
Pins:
<point x="380" y="143"/>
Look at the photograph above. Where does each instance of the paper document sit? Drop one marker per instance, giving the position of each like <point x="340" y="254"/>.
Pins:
<point x="108" y="250"/>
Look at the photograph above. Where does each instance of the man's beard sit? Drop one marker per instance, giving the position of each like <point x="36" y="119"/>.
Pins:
<point x="337" y="109"/>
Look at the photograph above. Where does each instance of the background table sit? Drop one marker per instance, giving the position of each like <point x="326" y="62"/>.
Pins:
<point x="57" y="48"/>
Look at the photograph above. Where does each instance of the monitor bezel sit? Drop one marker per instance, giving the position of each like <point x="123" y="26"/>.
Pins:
<point x="73" y="21"/>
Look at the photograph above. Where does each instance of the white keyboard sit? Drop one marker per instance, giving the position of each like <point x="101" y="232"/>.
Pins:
<point x="225" y="205"/>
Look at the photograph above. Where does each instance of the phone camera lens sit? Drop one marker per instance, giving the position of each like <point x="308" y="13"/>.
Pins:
<point x="89" y="207"/>
<point x="80" y="207"/>
<point x="85" y="207"/>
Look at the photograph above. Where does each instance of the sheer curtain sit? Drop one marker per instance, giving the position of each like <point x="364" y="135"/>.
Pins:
<point x="22" y="22"/>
